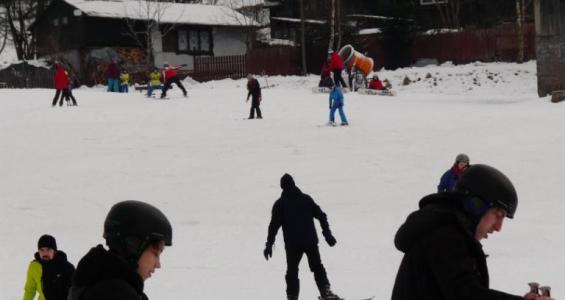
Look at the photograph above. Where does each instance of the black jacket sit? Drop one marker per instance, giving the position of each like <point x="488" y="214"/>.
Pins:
<point x="295" y="212"/>
<point x="442" y="259"/>
<point x="254" y="89"/>
<point x="103" y="275"/>
<point x="56" y="276"/>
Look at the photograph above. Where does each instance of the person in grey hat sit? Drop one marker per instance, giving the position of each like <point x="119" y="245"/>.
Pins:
<point x="449" y="178"/>
<point x="49" y="274"/>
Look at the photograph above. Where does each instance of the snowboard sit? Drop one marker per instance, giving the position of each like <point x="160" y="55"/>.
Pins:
<point x="376" y="92"/>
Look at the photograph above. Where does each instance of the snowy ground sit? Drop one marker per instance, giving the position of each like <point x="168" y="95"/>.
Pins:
<point x="216" y="175"/>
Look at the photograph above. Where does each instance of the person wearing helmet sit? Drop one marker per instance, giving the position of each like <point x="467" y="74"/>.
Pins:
<point x="336" y="100"/>
<point x="154" y="82"/>
<point x="375" y="83"/>
<point x="169" y="77"/>
<point x="449" y="178"/>
<point x="295" y="212"/>
<point x="136" y="234"/>
<point x="443" y="256"/>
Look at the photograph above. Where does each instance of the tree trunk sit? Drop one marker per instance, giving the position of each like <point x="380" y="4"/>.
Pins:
<point x="520" y="29"/>
<point x="332" y="26"/>
<point x="338" y="21"/>
<point x="302" y="37"/>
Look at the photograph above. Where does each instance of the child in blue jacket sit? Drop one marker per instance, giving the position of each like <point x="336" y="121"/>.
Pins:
<point x="336" y="103"/>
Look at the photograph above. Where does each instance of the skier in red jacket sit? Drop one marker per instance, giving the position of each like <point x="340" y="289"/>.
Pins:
<point x="170" y="76"/>
<point x="61" y="82"/>
<point x="337" y="67"/>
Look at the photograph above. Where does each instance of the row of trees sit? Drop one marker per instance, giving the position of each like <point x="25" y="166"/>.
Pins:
<point x="15" y="18"/>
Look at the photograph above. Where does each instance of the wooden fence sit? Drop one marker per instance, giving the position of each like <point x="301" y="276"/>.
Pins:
<point x="214" y="68"/>
<point x="24" y="75"/>
<point x="267" y="61"/>
<point x="497" y="44"/>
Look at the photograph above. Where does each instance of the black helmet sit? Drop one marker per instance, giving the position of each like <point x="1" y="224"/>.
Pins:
<point x="131" y="225"/>
<point x="491" y="186"/>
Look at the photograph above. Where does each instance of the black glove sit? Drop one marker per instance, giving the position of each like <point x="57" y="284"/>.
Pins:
<point x="330" y="239"/>
<point x="268" y="252"/>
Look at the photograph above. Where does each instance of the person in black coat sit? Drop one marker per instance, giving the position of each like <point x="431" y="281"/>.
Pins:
<point x="295" y="211"/>
<point x="136" y="234"/>
<point x="254" y="91"/>
<point x="443" y="256"/>
<point x="55" y="270"/>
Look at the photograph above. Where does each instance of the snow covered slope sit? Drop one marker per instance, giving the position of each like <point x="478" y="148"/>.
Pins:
<point x="216" y="175"/>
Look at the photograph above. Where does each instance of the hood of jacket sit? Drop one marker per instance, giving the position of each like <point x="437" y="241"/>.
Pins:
<point x="436" y="211"/>
<point x="100" y="265"/>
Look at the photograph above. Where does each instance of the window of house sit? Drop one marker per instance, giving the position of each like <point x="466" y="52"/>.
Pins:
<point x="196" y="41"/>
<point x="55" y="22"/>
<point x="64" y="20"/>
<point x="428" y="2"/>
<point x="182" y="42"/>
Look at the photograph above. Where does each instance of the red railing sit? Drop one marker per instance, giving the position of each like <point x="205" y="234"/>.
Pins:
<point x="268" y="61"/>
<point x="214" y="68"/>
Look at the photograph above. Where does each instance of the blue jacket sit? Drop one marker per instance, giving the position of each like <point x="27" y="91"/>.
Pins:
<point x="337" y="96"/>
<point x="447" y="181"/>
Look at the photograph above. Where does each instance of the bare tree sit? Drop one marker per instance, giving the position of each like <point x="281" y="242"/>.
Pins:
<point x="332" y="25"/>
<point x="302" y="37"/>
<point x="338" y="23"/>
<point x="145" y="17"/>
<point x="449" y="13"/>
<point x="248" y="17"/>
<point x="521" y="6"/>
<point x="19" y="14"/>
<point x="3" y="30"/>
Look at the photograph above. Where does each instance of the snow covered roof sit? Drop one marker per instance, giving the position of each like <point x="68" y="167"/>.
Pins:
<point x="165" y="12"/>
<point x="376" y="17"/>
<point x="236" y="4"/>
<point x="295" y="20"/>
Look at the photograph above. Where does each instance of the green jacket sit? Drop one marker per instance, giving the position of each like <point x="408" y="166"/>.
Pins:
<point x="155" y="78"/>
<point x="33" y="281"/>
<point x="124" y="78"/>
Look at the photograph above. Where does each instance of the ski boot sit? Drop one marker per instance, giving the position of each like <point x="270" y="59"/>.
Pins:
<point x="327" y="294"/>
<point x="289" y="297"/>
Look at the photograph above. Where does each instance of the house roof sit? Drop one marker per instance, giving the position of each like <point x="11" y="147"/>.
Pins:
<point x="295" y="20"/>
<point x="236" y="4"/>
<point x="164" y="12"/>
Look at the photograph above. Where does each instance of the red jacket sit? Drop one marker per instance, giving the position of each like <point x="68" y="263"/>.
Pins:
<point x="337" y="62"/>
<point x="326" y="70"/>
<point x="170" y="72"/>
<point x="60" y="80"/>
<point x="376" y="84"/>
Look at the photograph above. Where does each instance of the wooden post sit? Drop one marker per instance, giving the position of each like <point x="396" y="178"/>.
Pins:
<point x="550" y="45"/>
